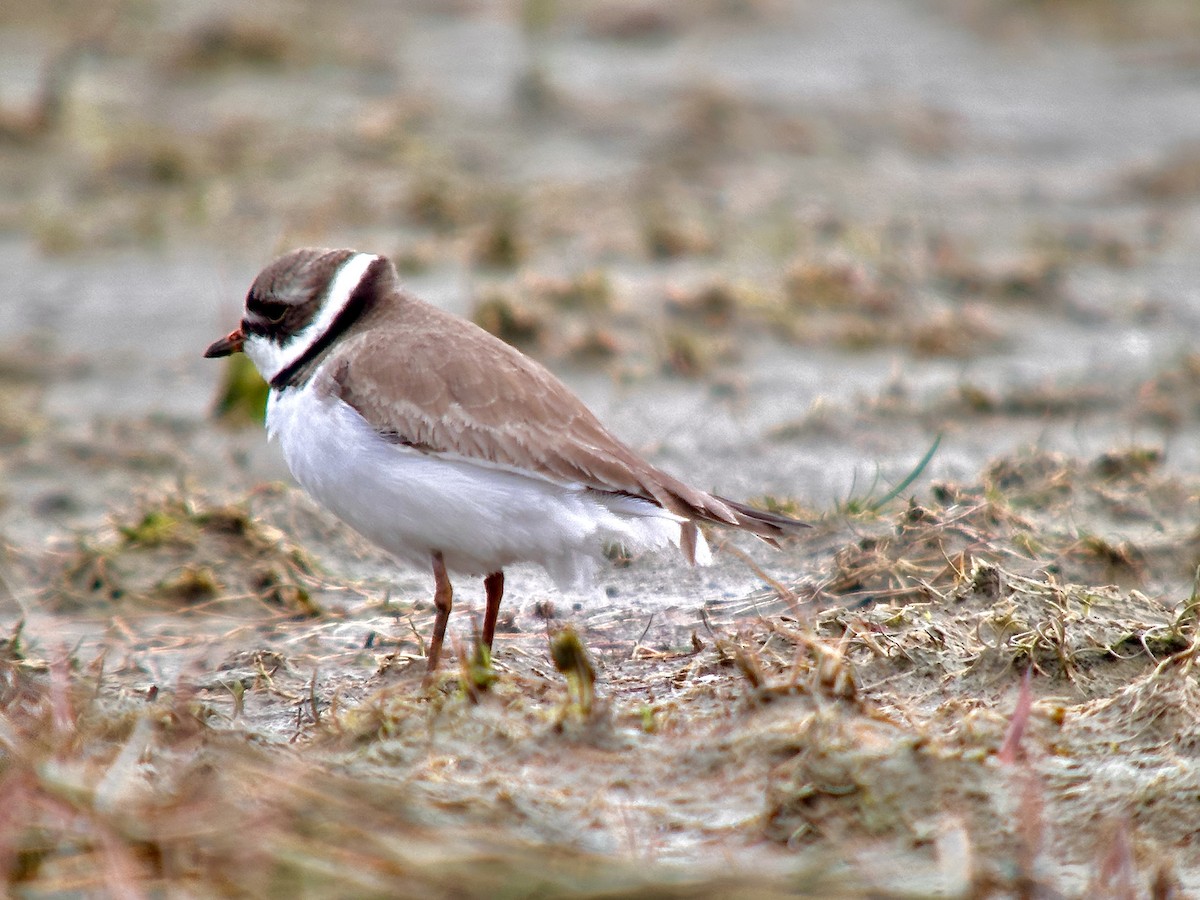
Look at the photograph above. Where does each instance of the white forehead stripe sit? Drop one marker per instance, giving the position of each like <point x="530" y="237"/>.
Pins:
<point x="270" y="358"/>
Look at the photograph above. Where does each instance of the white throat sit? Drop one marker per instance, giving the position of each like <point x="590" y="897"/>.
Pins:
<point x="271" y="358"/>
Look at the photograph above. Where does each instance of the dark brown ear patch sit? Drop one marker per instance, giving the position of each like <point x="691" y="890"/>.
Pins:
<point x="271" y="311"/>
<point x="275" y="319"/>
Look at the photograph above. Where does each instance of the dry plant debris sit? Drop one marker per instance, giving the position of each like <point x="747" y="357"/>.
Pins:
<point x="175" y="553"/>
<point x="944" y="711"/>
<point x="698" y="330"/>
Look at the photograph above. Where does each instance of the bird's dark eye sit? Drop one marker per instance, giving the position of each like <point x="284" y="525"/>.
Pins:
<point x="271" y="310"/>
<point x="274" y="312"/>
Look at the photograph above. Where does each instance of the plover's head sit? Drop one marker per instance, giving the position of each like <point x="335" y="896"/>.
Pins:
<point x="299" y="304"/>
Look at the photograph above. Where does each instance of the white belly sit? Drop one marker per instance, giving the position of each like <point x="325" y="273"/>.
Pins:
<point x="481" y="517"/>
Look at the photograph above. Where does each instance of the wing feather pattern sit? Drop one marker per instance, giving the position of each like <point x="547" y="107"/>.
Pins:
<point x="448" y="387"/>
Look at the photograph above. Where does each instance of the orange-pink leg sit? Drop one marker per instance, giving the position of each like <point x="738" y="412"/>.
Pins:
<point x="443" y="597"/>
<point x="494" y="585"/>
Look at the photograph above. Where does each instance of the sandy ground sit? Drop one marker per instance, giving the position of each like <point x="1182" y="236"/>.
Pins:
<point x="780" y="248"/>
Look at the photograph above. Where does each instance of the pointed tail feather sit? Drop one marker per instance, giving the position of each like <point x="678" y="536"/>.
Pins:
<point x="688" y="502"/>
<point x="767" y="525"/>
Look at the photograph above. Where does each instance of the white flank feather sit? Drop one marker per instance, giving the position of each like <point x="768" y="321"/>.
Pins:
<point x="481" y="517"/>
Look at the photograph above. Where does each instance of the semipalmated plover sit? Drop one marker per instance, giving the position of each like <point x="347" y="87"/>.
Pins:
<point x="444" y="445"/>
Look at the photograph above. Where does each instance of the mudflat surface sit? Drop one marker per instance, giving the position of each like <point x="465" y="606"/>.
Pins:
<point x="781" y="248"/>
